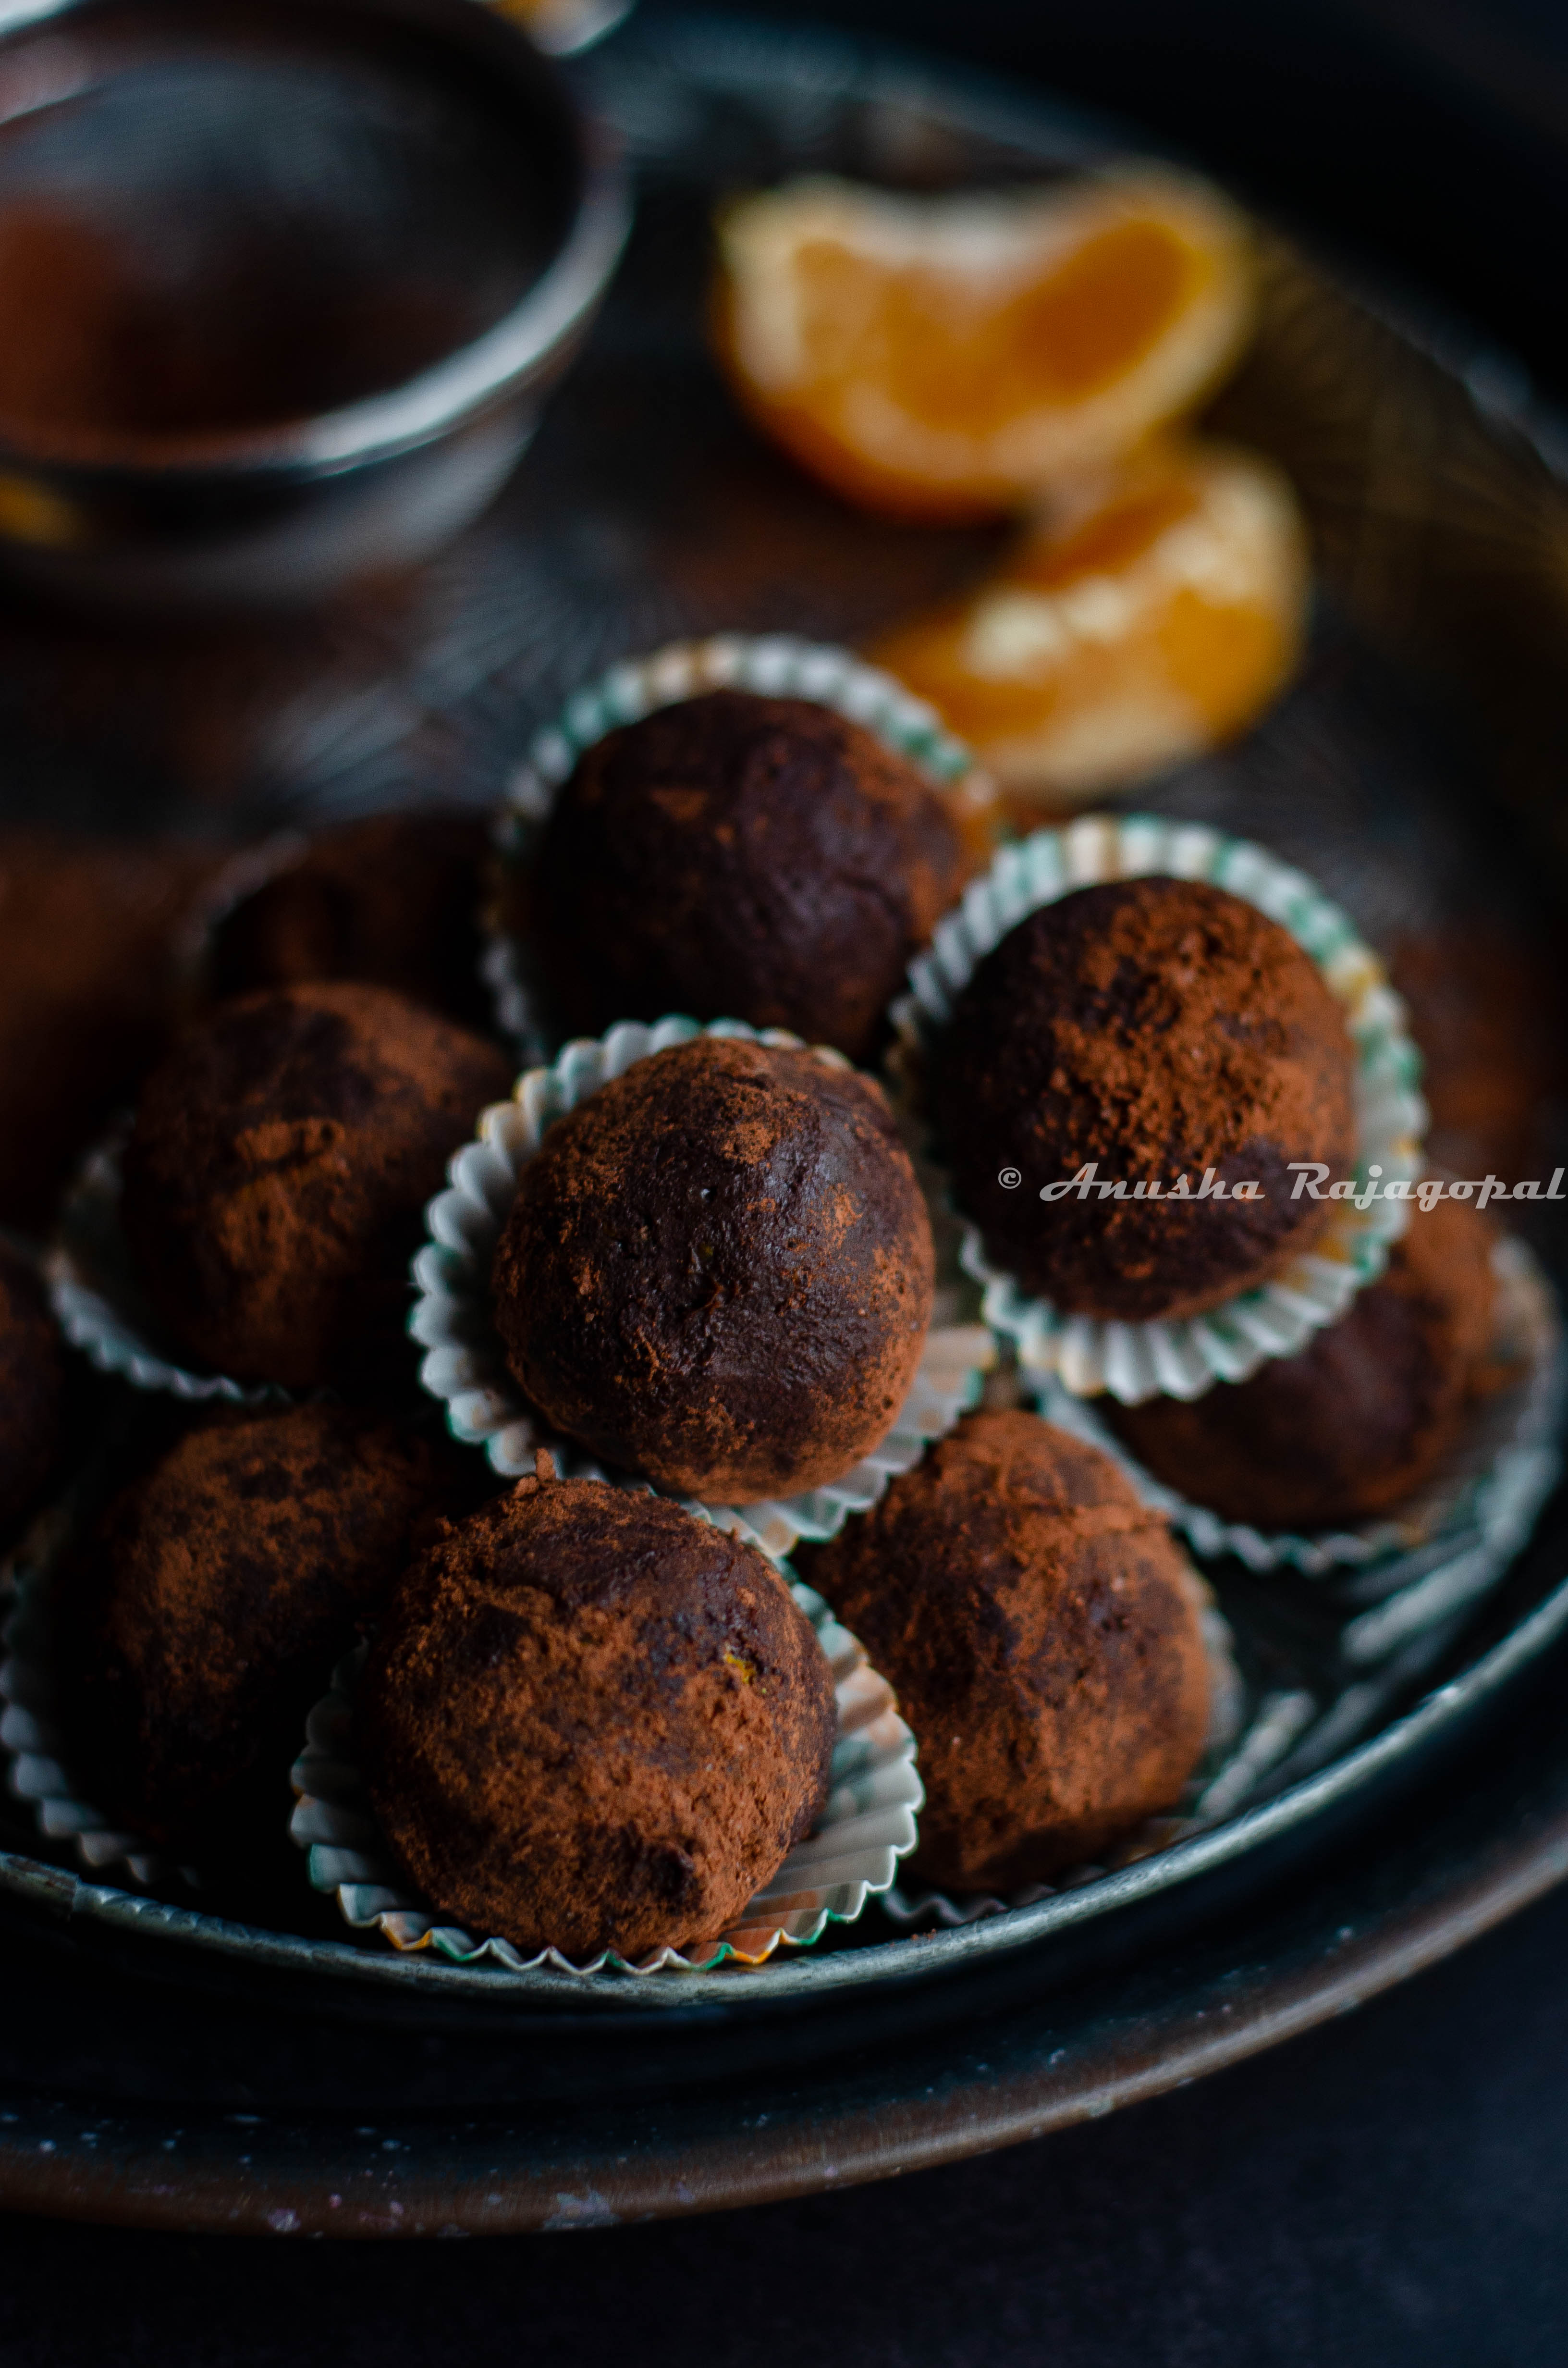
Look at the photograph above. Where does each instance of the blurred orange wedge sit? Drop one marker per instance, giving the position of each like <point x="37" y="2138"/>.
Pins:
<point x="563" y="26"/>
<point x="951" y="357"/>
<point x="1150" y="622"/>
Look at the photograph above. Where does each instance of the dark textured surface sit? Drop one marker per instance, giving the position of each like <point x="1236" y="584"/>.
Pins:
<point x="739" y="858"/>
<point x="1387" y="2188"/>
<point x="86" y="970"/>
<point x="719" y="1271"/>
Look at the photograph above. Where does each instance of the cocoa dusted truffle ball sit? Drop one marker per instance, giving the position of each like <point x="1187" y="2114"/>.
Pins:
<point x="281" y="1158"/>
<point x="201" y="1616"/>
<point x="1163" y="1033"/>
<point x="719" y="1271"/>
<point x="393" y="900"/>
<point x="1041" y="1629"/>
<point x="741" y="857"/>
<point x="32" y="1390"/>
<point x="592" y="1721"/>
<point x="1356" y="1423"/>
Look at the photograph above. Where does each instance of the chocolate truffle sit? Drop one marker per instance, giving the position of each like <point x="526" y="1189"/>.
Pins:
<point x="1041" y="1631"/>
<point x="741" y="857"/>
<point x="1487" y="1009"/>
<point x="1363" y="1416"/>
<point x="201" y="1616"/>
<point x="281" y="1158"/>
<point x="592" y="1721"/>
<point x="719" y="1271"/>
<point x="1160" y="1031"/>
<point x="393" y="900"/>
<point x="32" y="1390"/>
<point x="87" y="976"/>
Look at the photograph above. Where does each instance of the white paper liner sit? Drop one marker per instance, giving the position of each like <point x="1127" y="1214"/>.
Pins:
<point x="465" y="1365"/>
<point x="777" y="665"/>
<point x="99" y="1303"/>
<point x="866" y="1827"/>
<point x="36" y="1753"/>
<point x="1502" y="1469"/>
<point x="1227" y="1705"/>
<point x="1184" y="1357"/>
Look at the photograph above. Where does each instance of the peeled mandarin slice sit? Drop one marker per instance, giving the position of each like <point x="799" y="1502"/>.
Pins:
<point x="562" y="25"/>
<point x="1156" y="620"/>
<point x="951" y="357"/>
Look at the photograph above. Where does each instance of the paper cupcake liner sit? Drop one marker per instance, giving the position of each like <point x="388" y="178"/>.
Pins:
<point x="100" y="1306"/>
<point x="465" y="1365"/>
<point x="37" y="1754"/>
<point x="1227" y="1705"/>
<point x="1501" y="1472"/>
<point x="777" y="665"/>
<point x="1184" y="1357"/>
<point x="867" y="1825"/>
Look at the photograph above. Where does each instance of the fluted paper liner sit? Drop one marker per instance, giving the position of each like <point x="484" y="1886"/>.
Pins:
<point x="37" y="1752"/>
<point x="776" y="665"/>
<point x="1503" y="1467"/>
<point x="1183" y="1357"/>
<point x="465" y="1365"/>
<point x="866" y="1827"/>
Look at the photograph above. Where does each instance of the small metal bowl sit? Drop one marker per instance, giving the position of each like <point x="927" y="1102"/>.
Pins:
<point x="290" y="281"/>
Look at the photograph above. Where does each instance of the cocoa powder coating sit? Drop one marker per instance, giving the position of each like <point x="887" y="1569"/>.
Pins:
<point x="32" y="1390"/>
<point x="1366" y="1413"/>
<point x="719" y="1271"/>
<point x="1160" y="1028"/>
<point x="278" y="1170"/>
<point x="736" y="857"/>
<point x="1036" y="1622"/>
<point x="393" y="900"/>
<point x="202" y="1614"/>
<point x="592" y="1721"/>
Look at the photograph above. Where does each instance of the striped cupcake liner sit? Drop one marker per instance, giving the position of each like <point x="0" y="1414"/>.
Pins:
<point x="465" y="1366"/>
<point x="1182" y="1357"/>
<point x="852" y="1853"/>
<point x="776" y="665"/>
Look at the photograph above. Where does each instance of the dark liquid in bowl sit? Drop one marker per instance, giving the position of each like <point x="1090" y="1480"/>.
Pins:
<point x="217" y="217"/>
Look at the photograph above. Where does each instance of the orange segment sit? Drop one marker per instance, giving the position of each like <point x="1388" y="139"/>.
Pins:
<point x="562" y="25"/>
<point x="1155" y="621"/>
<point x="949" y="357"/>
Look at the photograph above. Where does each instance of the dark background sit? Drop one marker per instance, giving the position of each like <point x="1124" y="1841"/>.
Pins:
<point x="1391" y="2188"/>
<point x="1386" y="2191"/>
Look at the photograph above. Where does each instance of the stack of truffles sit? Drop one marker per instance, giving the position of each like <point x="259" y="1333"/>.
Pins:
<point x="587" y="1717"/>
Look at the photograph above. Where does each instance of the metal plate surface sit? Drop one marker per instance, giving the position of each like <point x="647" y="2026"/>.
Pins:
<point x="1413" y="771"/>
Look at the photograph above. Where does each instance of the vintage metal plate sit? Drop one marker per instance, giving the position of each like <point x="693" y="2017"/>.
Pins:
<point x="647" y="510"/>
